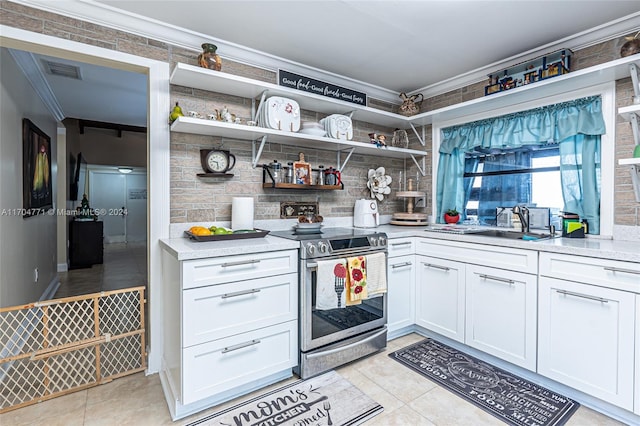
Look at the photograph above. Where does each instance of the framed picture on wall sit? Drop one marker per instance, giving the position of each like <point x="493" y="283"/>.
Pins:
<point x="37" y="194"/>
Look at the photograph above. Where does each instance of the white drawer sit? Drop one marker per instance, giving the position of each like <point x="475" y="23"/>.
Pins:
<point x="401" y="247"/>
<point x="218" y="366"/>
<point x="484" y="255"/>
<point x="609" y="273"/>
<point x="217" y="270"/>
<point x="218" y="311"/>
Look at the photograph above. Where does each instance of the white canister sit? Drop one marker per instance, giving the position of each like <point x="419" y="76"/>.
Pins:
<point x="242" y="213"/>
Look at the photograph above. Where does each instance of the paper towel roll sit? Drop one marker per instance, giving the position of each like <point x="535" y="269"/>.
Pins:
<point x="242" y="213"/>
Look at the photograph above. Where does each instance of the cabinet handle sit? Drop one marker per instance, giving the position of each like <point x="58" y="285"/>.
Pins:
<point x="406" y="243"/>
<point x="240" y="293"/>
<point x="502" y="280"/>
<point x="240" y="346"/>
<point x="400" y="265"/>
<point x="583" y="296"/>
<point x="626" y="271"/>
<point x="430" y="265"/>
<point x="241" y="262"/>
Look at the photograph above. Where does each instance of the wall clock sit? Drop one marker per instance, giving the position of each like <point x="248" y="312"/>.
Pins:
<point x="216" y="161"/>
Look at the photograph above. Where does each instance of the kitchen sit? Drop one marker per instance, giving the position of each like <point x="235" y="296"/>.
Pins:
<point x="188" y="192"/>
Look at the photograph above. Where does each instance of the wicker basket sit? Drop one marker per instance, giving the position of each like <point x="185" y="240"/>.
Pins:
<point x="400" y="139"/>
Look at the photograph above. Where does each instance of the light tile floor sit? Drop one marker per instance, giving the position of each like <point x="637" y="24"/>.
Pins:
<point x="407" y="397"/>
<point x="124" y="265"/>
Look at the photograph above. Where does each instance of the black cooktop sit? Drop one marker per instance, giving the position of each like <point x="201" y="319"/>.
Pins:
<point x="324" y="233"/>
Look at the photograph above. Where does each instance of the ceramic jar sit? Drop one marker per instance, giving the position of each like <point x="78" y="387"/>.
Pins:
<point x="209" y="58"/>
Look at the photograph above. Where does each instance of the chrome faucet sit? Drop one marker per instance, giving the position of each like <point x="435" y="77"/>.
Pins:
<point x="523" y="214"/>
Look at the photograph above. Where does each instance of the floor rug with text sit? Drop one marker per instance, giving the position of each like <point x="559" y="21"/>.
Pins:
<point x="512" y="399"/>
<point x="328" y="399"/>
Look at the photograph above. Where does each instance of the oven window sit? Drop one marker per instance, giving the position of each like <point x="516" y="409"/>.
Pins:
<point x="329" y="321"/>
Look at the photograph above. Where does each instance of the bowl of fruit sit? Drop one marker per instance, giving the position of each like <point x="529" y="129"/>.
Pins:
<point x="220" y="233"/>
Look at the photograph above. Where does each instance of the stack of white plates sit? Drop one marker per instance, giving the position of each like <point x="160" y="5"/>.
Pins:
<point x="307" y="228"/>
<point x="338" y="126"/>
<point x="280" y="114"/>
<point x="312" y="128"/>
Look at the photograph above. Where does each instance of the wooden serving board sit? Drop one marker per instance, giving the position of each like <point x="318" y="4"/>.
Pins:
<point x="409" y="219"/>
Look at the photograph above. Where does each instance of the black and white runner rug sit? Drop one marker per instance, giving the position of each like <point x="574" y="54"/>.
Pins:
<point x="510" y="398"/>
<point x="328" y="399"/>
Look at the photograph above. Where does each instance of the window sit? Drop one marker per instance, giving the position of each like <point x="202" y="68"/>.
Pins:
<point x="504" y="178"/>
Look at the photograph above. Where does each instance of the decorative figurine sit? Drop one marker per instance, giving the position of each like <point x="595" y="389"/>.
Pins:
<point x="209" y="58"/>
<point x="175" y="113"/>
<point x="378" y="183"/>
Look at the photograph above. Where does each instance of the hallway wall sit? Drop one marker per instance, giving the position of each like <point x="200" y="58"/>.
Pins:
<point x="25" y="244"/>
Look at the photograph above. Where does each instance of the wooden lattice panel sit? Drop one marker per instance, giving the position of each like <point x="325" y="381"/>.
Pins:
<point x="54" y="347"/>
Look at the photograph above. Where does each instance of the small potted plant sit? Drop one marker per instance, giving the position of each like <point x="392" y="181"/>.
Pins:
<point x="452" y="216"/>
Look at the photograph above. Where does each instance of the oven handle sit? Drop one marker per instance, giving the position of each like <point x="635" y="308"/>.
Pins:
<point x="314" y="265"/>
<point x="350" y="345"/>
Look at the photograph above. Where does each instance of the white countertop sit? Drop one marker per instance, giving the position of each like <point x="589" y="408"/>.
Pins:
<point x="628" y="251"/>
<point x="186" y="249"/>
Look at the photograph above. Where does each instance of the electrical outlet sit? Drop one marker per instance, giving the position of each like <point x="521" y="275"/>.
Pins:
<point x="35" y="275"/>
<point x="421" y="202"/>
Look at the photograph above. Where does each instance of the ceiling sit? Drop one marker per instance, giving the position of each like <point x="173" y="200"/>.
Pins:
<point x="398" y="45"/>
<point x="401" y="46"/>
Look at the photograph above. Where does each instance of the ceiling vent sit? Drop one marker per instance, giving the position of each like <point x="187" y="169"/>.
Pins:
<point x="63" y="70"/>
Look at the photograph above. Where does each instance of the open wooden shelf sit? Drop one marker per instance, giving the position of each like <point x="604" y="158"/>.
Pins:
<point x="208" y="175"/>
<point x="298" y="186"/>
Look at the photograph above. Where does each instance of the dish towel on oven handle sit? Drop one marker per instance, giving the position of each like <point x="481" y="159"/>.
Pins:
<point x="331" y="284"/>
<point x="356" y="280"/>
<point x="376" y="274"/>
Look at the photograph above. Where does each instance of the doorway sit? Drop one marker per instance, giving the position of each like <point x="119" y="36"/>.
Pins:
<point x="157" y="150"/>
<point x="121" y="200"/>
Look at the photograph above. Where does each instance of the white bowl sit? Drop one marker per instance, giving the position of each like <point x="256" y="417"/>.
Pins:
<point x="302" y="225"/>
<point x="313" y="132"/>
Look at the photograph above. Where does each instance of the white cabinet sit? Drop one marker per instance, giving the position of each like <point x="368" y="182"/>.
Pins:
<point x="401" y="273"/>
<point x="230" y="326"/>
<point x="217" y="366"/>
<point x="483" y="296"/>
<point x="586" y="338"/>
<point x="218" y="311"/>
<point x="440" y="296"/>
<point x="501" y="314"/>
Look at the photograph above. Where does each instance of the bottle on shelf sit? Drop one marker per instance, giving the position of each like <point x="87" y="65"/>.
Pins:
<point x="289" y="177"/>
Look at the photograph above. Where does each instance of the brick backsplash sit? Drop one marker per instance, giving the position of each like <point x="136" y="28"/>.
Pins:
<point x="197" y="199"/>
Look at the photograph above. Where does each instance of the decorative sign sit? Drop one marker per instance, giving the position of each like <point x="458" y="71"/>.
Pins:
<point x="290" y="210"/>
<point x="311" y="85"/>
<point x="138" y="194"/>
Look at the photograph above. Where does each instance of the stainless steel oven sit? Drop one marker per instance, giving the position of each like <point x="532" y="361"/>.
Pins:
<point x="333" y="337"/>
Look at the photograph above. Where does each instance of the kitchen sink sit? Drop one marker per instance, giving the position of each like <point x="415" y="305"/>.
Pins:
<point x="513" y="235"/>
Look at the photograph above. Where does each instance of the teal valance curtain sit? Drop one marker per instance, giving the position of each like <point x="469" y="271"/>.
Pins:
<point x="553" y="124"/>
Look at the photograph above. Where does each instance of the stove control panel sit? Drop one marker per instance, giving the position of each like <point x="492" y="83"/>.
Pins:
<point x="333" y="247"/>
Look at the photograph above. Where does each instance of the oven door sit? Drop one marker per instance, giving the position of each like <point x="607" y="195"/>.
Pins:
<point x="322" y="327"/>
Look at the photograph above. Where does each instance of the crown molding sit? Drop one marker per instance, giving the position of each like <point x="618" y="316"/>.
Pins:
<point x="28" y="63"/>
<point x="98" y="13"/>
<point x="101" y="14"/>
<point x="593" y="36"/>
